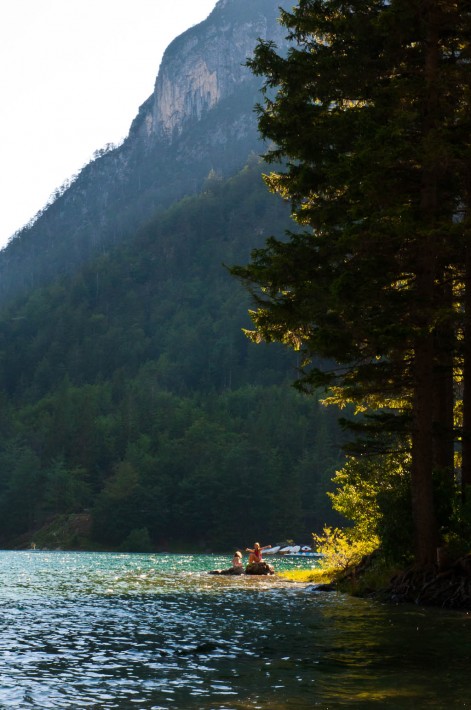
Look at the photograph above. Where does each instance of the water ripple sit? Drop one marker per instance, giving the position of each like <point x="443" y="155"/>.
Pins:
<point x="113" y="632"/>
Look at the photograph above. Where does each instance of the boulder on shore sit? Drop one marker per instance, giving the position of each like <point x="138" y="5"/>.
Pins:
<point x="259" y="568"/>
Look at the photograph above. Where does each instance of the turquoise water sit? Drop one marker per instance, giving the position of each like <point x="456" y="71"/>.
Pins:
<point x="99" y="630"/>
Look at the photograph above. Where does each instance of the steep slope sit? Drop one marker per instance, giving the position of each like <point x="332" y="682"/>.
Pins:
<point x="199" y="119"/>
<point x="130" y="394"/>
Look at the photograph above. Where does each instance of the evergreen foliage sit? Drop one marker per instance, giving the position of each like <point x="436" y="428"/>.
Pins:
<point x="129" y="392"/>
<point x="371" y="114"/>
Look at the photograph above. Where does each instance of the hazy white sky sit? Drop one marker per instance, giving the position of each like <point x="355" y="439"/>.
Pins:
<point x="73" y="74"/>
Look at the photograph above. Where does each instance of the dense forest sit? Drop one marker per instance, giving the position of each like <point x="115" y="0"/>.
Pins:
<point x="370" y="114"/>
<point x="132" y="400"/>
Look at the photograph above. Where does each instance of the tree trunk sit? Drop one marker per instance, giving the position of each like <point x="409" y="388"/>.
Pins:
<point x="423" y="509"/>
<point x="466" y="433"/>
<point x="443" y="420"/>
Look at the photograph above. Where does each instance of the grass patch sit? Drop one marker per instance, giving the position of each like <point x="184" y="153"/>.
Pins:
<point x="370" y="578"/>
<point x="316" y="576"/>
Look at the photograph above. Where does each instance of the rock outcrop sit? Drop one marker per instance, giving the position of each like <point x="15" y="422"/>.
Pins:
<point x="206" y="64"/>
<point x="260" y="568"/>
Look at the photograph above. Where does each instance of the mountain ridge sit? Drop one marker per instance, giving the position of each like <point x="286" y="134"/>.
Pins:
<point x="198" y="120"/>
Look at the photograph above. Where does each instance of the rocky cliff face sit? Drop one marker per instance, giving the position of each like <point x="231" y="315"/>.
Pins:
<point x="206" y="64"/>
<point x="199" y="119"/>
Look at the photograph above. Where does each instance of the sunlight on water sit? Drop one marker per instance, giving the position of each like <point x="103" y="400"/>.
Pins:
<point x="103" y="631"/>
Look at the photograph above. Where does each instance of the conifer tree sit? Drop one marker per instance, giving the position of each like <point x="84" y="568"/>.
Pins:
<point x="366" y="114"/>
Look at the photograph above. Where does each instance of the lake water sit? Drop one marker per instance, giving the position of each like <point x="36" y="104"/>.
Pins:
<point x="103" y="631"/>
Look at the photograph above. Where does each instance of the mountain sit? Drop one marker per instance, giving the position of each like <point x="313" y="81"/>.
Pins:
<point x="199" y="120"/>
<point x="134" y="413"/>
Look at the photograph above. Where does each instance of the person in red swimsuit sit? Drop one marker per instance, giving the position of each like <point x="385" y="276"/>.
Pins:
<point x="255" y="555"/>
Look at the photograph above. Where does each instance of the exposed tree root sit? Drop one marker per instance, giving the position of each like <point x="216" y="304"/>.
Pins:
<point x="449" y="588"/>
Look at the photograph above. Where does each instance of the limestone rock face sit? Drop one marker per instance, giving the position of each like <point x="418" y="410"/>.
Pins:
<point x="206" y="63"/>
<point x="200" y="120"/>
<point x="206" y="67"/>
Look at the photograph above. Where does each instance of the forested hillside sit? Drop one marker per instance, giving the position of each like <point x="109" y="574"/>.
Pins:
<point x="130" y="393"/>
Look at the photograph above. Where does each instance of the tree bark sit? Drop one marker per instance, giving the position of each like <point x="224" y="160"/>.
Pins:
<point x="466" y="432"/>
<point x="443" y="424"/>
<point x="423" y="509"/>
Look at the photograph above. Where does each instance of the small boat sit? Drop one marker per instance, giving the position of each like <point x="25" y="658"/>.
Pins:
<point x="305" y="554"/>
<point x="292" y="551"/>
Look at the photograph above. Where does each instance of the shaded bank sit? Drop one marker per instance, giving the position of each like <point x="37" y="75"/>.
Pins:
<point x="446" y="585"/>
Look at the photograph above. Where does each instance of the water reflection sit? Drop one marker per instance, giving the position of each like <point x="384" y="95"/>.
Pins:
<point x="121" y="631"/>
